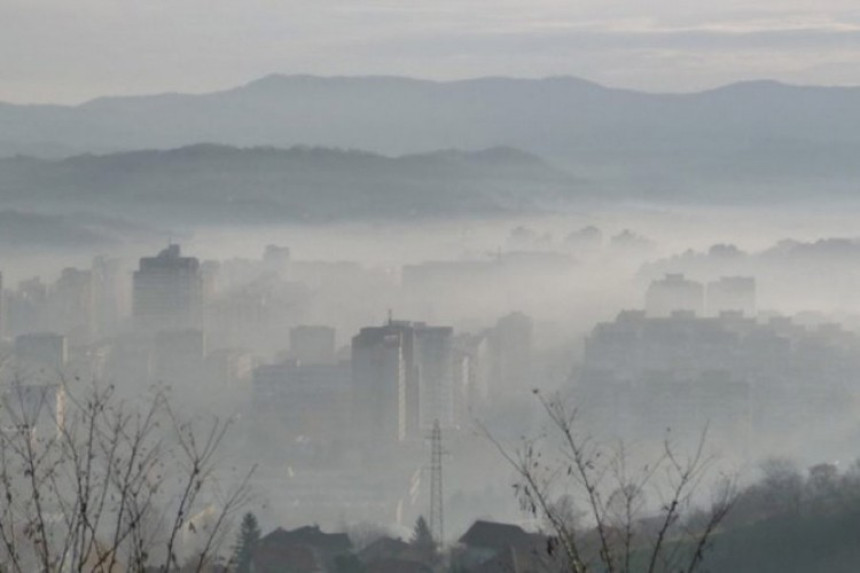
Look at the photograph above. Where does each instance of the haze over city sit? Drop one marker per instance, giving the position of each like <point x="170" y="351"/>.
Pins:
<point x="466" y="287"/>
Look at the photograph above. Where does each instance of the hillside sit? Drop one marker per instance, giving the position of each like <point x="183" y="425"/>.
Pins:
<point x="216" y="183"/>
<point x="737" y="142"/>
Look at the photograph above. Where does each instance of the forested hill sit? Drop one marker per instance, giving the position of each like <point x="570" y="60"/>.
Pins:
<point x="699" y="146"/>
<point x="208" y="182"/>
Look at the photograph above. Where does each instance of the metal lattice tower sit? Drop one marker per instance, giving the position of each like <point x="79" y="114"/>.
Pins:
<point x="437" y="520"/>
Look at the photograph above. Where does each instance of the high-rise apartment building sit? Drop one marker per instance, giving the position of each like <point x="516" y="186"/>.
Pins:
<point x="434" y="359"/>
<point x="71" y="305"/>
<point x="673" y="293"/>
<point x="732" y="294"/>
<point x="510" y="354"/>
<point x="168" y="292"/>
<point x="381" y="357"/>
<point x="403" y="378"/>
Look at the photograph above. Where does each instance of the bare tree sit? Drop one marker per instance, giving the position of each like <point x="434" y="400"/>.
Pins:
<point x="91" y="482"/>
<point x="615" y="532"/>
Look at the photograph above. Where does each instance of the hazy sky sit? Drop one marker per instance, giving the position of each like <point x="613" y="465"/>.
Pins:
<point x="69" y="51"/>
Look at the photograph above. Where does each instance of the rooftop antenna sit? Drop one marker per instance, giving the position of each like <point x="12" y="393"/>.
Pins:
<point x="390" y="317"/>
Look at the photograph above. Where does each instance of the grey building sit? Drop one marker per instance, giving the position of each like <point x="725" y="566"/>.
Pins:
<point x="732" y="294"/>
<point x="312" y="344"/>
<point x="672" y="293"/>
<point x="403" y="378"/>
<point x="168" y="291"/>
<point x="45" y="352"/>
<point x="310" y="400"/>
<point x="381" y="357"/>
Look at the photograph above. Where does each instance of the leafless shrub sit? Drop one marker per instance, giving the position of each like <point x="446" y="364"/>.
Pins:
<point x="91" y="482"/>
<point x="612" y="495"/>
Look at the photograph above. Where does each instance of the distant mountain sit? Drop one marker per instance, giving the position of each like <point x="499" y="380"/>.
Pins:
<point x="748" y="140"/>
<point x="217" y="183"/>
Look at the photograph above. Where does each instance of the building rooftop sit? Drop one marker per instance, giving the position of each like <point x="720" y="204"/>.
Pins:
<point x="496" y="536"/>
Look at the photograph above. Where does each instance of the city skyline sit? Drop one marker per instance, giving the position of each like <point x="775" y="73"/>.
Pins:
<point x="463" y="286"/>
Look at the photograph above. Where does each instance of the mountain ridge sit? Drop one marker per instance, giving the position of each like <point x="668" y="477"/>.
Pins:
<point x="286" y="79"/>
<point x="780" y="138"/>
<point x="282" y="78"/>
<point x="219" y="183"/>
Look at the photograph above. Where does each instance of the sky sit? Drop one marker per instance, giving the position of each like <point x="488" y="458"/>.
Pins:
<point x="61" y="51"/>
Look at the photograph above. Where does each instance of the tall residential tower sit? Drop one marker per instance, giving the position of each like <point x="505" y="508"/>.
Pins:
<point x="168" y="292"/>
